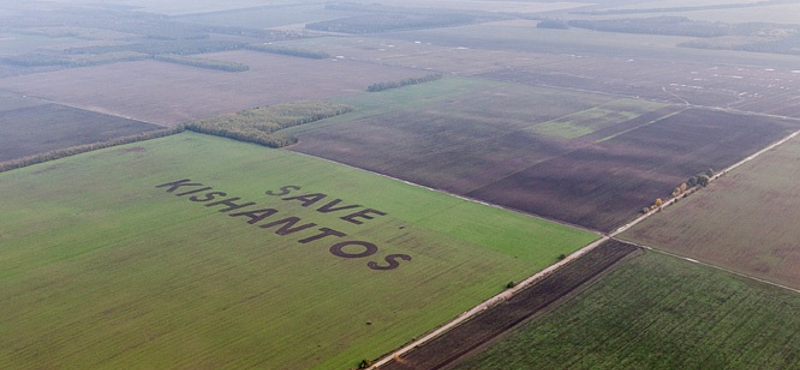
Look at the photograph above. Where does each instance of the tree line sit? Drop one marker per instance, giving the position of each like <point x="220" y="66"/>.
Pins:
<point x="376" y="23"/>
<point x="685" y="188"/>
<point x="302" y="53"/>
<point x="260" y="125"/>
<point x="203" y="63"/>
<point x="78" y="149"/>
<point x="387" y="85"/>
<point x="665" y="25"/>
<point x="752" y="36"/>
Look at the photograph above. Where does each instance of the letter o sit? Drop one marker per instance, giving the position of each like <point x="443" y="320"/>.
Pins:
<point x="369" y="249"/>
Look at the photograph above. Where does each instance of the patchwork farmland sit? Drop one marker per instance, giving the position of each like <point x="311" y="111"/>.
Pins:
<point x="583" y="158"/>
<point x="169" y="94"/>
<point x="535" y="300"/>
<point x="196" y="251"/>
<point x="759" y="199"/>
<point x="658" y="312"/>
<point x="192" y="251"/>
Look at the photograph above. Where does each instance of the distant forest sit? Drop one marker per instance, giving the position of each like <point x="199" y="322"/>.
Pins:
<point x="390" y="22"/>
<point x="152" y="36"/>
<point x="756" y="37"/>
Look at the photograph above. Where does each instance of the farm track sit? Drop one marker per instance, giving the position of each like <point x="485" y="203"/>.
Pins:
<point x="483" y="323"/>
<point x="713" y="178"/>
<point x="496" y="316"/>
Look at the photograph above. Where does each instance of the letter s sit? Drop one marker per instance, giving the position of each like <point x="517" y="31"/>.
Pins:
<point x="392" y="260"/>
<point x="284" y="190"/>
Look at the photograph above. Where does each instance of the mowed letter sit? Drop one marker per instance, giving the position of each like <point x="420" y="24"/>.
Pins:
<point x="193" y="251"/>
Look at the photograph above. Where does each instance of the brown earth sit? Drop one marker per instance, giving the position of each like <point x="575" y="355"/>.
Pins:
<point x="46" y="127"/>
<point x="168" y="94"/>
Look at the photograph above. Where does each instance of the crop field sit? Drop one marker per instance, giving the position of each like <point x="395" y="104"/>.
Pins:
<point x="166" y="93"/>
<point x="30" y="126"/>
<point x="587" y="159"/>
<point x="490" y="324"/>
<point x="758" y="199"/>
<point x="192" y="251"/>
<point x="657" y="312"/>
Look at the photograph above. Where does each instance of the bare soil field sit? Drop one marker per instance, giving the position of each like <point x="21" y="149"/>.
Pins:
<point x="542" y="151"/>
<point x="42" y="127"/>
<point x="483" y="328"/>
<point x="603" y="185"/>
<point x="168" y="94"/>
<point x="466" y="141"/>
<point x="748" y="88"/>
<point x="580" y="42"/>
<point x="745" y="221"/>
<point x="418" y="54"/>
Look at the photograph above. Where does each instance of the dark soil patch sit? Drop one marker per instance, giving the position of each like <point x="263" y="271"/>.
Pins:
<point x="470" y="335"/>
<point x="604" y="185"/>
<point x="40" y="129"/>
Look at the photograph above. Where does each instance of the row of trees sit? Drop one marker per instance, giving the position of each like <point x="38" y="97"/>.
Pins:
<point x="288" y="51"/>
<point x="386" y="85"/>
<point x="260" y="125"/>
<point x="220" y="65"/>
<point x="552" y="23"/>
<point x="376" y="23"/>
<point x="245" y="134"/>
<point x="162" y="47"/>
<point x="752" y="36"/>
<point x="675" y="9"/>
<point x="666" y="25"/>
<point x="701" y="179"/>
<point x="66" y="152"/>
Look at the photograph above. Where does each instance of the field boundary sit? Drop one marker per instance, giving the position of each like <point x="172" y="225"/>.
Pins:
<point x="716" y="176"/>
<point x="52" y="155"/>
<point x="461" y="197"/>
<point x="692" y="260"/>
<point x="515" y="311"/>
<point x="491" y="302"/>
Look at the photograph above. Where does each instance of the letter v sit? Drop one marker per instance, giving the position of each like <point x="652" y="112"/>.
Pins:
<point x="331" y="207"/>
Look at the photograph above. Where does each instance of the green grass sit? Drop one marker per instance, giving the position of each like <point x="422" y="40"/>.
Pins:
<point x="589" y="121"/>
<point x="745" y="221"/>
<point x="368" y="104"/>
<point x="100" y="269"/>
<point x="657" y="312"/>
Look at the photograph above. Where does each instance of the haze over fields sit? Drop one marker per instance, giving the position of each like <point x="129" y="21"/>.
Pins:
<point x="333" y="185"/>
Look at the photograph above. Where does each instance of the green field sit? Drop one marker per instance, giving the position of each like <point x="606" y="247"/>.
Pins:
<point x="102" y="269"/>
<point x="657" y="312"/>
<point x="591" y="120"/>
<point x="745" y="221"/>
